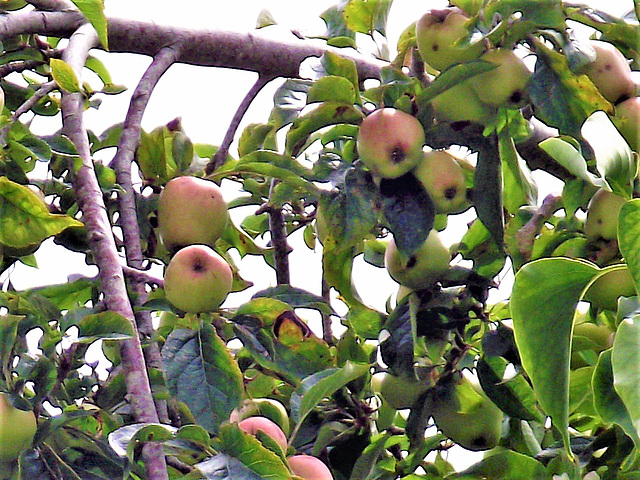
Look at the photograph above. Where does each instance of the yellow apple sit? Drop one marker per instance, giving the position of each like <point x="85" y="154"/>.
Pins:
<point x="627" y="120"/>
<point x="253" y="425"/>
<point x="610" y="72"/>
<point x="390" y="142"/>
<point x="606" y="290"/>
<point x="309" y="467"/>
<point x="444" y="180"/>
<point x="197" y="279"/>
<point x="263" y="407"/>
<point x="505" y="85"/>
<point x="398" y="392"/>
<point x="191" y="210"/>
<point x="17" y="429"/>
<point x="422" y="269"/>
<point x="437" y="35"/>
<point x="460" y="103"/>
<point x="467" y="416"/>
<point x="602" y="215"/>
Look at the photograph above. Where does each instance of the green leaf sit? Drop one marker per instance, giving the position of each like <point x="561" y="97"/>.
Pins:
<point x="519" y="187"/>
<point x="296" y="298"/>
<point x="606" y="400"/>
<point x="8" y="334"/>
<point x="629" y="238"/>
<point x="332" y="89"/>
<point x="545" y="295"/>
<point x="200" y="372"/>
<point x="104" y="325"/>
<point x="502" y="465"/>
<point x="366" y="463"/>
<point x="367" y="16"/>
<point x="64" y="76"/>
<point x="625" y="361"/>
<point x="93" y="10"/>
<point x="487" y="189"/>
<point x="25" y="221"/>
<point x="570" y="158"/>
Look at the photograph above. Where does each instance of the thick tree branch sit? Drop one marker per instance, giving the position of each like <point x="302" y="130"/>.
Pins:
<point x="221" y="155"/>
<point x="102" y="242"/>
<point x="242" y="51"/>
<point x="129" y="140"/>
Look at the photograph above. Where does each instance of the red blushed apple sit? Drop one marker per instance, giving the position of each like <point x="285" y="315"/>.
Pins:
<point x="309" y="467"/>
<point x="191" y="210"/>
<point x="253" y="425"/>
<point x="197" y="279"/>
<point x="610" y="72"/>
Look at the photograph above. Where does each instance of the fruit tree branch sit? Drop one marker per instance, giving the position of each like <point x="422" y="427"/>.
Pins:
<point x="102" y="242"/>
<point x="281" y="248"/>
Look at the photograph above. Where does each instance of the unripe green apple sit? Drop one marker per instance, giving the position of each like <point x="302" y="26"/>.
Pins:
<point x="253" y="425"/>
<point x="263" y="407"/>
<point x="443" y="179"/>
<point x="475" y="427"/>
<point x="6" y="5"/>
<point x="460" y="103"/>
<point x="599" y="338"/>
<point x="627" y="120"/>
<point x="422" y="269"/>
<point x="17" y="429"/>
<point x="191" y="210"/>
<point x="604" y="292"/>
<point x="610" y="72"/>
<point x="309" y="467"/>
<point x="390" y="142"/>
<point x="602" y="215"/>
<point x="398" y="392"/>
<point x="505" y="85"/>
<point x="197" y="279"/>
<point x="437" y="34"/>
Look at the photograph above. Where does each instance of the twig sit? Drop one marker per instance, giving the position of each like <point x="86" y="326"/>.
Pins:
<point x="26" y="106"/>
<point x="142" y="276"/>
<point x="327" y="328"/>
<point x="21" y="66"/>
<point x="221" y="155"/>
<point x="281" y="248"/>
<point x="102" y="242"/>
<point x="127" y="145"/>
<point x="525" y="237"/>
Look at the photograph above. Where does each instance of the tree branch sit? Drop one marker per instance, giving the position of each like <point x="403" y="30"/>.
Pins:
<point x="281" y="248"/>
<point x="102" y="242"/>
<point x="19" y="66"/>
<point x="221" y="155"/>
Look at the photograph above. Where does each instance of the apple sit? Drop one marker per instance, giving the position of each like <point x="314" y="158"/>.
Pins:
<point x="263" y="407"/>
<point x="1" y="100"/>
<point x="6" y="5"/>
<point x="398" y="392"/>
<point x="610" y="72"/>
<point x="475" y="427"/>
<point x="437" y="35"/>
<point x="444" y="180"/>
<point x="309" y="467"/>
<point x="17" y="429"/>
<point x="598" y="338"/>
<point x="602" y="215"/>
<point x="422" y="269"/>
<point x="191" y="210"/>
<point x="253" y="425"/>
<point x="627" y="121"/>
<point x="197" y="279"/>
<point x="460" y="103"/>
<point x="390" y="142"/>
<point x="504" y="85"/>
<point x="604" y="292"/>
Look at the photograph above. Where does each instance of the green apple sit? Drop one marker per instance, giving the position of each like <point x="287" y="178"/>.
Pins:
<point x="390" y="142"/>
<point x="253" y="425"/>
<point x="398" y="392"/>
<point x="505" y="85"/>
<point x="197" y="279"/>
<point x="422" y="269"/>
<point x="610" y="72"/>
<point x="627" y="121"/>
<point x="467" y="416"/>
<point x="604" y="292"/>
<point x="460" y="103"/>
<point x="591" y="337"/>
<point x="439" y="35"/>
<point x="191" y="210"/>
<point x="309" y="467"/>
<point x="17" y="429"/>
<point x="444" y="180"/>
<point x="6" y="5"/>
<point x="602" y="216"/>
<point x="263" y="407"/>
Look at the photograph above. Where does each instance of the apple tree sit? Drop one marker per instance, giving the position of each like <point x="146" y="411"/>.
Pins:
<point x="368" y="156"/>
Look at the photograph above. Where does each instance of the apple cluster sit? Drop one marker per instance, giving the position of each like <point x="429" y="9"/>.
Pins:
<point x="192" y="215"/>
<point x="270" y="417"/>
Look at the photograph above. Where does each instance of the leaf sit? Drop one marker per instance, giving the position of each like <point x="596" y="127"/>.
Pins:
<point x="519" y="187"/>
<point x="332" y="89"/>
<point x="225" y="467"/>
<point x="606" y="400"/>
<point x="25" y="221"/>
<point x="296" y="298"/>
<point x="104" y="325"/>
<point x="570" y="158"/>
<point x="70" y="295"/>
<point x="629" y="238"/>
<point x="502" y="465"/>
<point x="93" y="10"/>
<point x="487" y="189"/>
<point x="200" y="372"/>
<point x="545" y="295"/>
<point x="625" y="361"/>
<point x="366" y="463"/>
<point x="367" y="16"/>
<point x="64" y="76"/>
